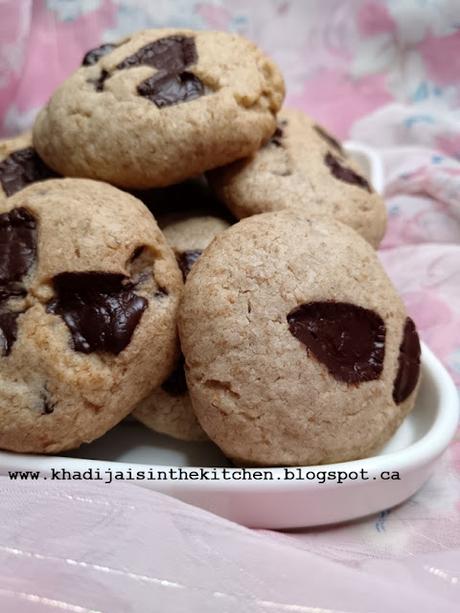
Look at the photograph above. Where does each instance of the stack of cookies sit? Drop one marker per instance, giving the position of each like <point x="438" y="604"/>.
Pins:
<point x="130" y="286"/>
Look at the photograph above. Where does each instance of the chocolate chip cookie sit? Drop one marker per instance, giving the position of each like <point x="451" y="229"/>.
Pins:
<point x="302" y="167"/>
<point x="159" y="107"/>
<point x="89" y="291"/>
<point x="20" y="165"/>
<point x="169" y="409"/>
<point x="298" y="349"/>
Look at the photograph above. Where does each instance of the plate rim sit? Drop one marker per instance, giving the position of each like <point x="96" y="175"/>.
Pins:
<point x="377" y="175"/>
<point x="422" y="452"/>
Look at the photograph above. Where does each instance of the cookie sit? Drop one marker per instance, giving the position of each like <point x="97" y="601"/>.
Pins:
<point x="169" y="409"/>
<point x="20" y="165"/>
<point x="189" y="234"/>
<point x="302" y="167"/>
<point x="298" y="349"/>
<point x="159" y="107"/>
<point x="89" y="291"/>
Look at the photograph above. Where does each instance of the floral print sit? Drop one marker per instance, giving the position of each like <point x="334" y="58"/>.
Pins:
<point x="383" y="72"/>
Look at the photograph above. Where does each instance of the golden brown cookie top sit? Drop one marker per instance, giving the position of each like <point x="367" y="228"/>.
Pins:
<point x="293" y="335"/>
<point x="89" y="290"/>
<point x="161" y="106"/>
<point x="302" y="167"/>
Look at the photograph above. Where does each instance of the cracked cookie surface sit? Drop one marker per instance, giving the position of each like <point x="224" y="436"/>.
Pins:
<point x="296" y="343"/>
<point x="168" y="409"/>
<point x="89" y="290"/>
<point x="302" y="167"/>
<point x="160" y="106"/>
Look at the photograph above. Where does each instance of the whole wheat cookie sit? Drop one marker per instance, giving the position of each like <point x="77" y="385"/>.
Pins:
<point x="89" y="291"/>
<point x="302" y="167"/>
<point x="159" y="107"/>
<point x="20" y="165"/>
<point x="298" y="349"/>
<point x="189" y="233"/>
<point x="168" y="409"/>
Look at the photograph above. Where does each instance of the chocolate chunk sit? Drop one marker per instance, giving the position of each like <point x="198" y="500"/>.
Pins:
<point x="8" y="331"/>
<point x="21" y="168"/>
<point x="348" y="339"/>
<point x="94" y="55"/>
<point x="186" y="259"/>
<point x="12" y="290"/>
<point x="100" y="309"/>
<point x="161" y="292"/>
<point x="138" y="251"/>
<point x="176" y="384"/>
<point x="166" y="89"/>
<point x="277" y="136"/>
<point x="48" y="405"/>
<point x="409" y="363"/>
<point x="99" y="82"/>
<point x="348" y="175"/>
<point x="278" y="133"/>
<point x="18" y="250"/>
<point x="328" y="138"/>
<point x="18" y="246"/>
<point x="172" y="54"/>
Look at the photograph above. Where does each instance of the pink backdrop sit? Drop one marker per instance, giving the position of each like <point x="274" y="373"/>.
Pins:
<point x="386" y="73"/>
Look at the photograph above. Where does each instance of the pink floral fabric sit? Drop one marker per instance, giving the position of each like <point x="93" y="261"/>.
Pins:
<point x="385" y="73"/>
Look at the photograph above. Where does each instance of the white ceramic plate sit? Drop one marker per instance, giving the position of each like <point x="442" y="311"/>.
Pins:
<point x="276" y="502"/>
<point x="370" y="162"/>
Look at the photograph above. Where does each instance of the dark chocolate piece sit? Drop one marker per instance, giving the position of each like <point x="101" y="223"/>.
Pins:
<point x="48" y="406"/>
<point x="21" y="168"/>
<point x="161" y="292"/>
<point x="278" y="133"/>
<point x="176" y="384"/>
<point x="328" y="138"/>
<point x="12" y="290"/>
<point x="409" y="363"/>
<point x="47" y="403"/>
<point x="94" y="55"/>
<point x="348" y="175"/>
<point x="171" y="84"/>
<point x="348" y="339"/>
<point x="172" y="54"/>
<point x="166" y="89"/>
<point x="99" y="82"/>
<point x="8" y="331"/>
<point x="186" y="259"/>
<point x="277" y="136"/>
<point x="138" y="251"/>
<point x="18" y="250"/>
<point x="100" y="309"/>
<point x="18" y="247"/>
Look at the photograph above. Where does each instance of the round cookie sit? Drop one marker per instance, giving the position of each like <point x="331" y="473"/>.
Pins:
<point x="159" y="107"/>
<point x="169" y="409"/>
<point x="298" y="349"/>
<point x="89" y="291"/>
<point x="20" y="165"/>
<point x="302" y="167"/>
